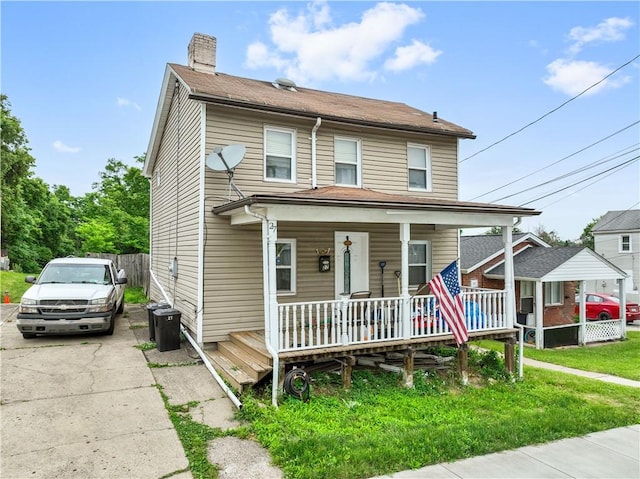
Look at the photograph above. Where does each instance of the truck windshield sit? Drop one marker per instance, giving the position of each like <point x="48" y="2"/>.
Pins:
<point x="75" y="273"/>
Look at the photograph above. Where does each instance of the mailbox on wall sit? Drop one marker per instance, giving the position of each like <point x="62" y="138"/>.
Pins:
<point x="324" y="263"/>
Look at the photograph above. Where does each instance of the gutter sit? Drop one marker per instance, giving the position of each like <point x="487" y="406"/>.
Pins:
<point x="408" y="205"/>
<point x="267" y="305"/>
<point x="314" y="179"/>
<point x="236" y="402"/>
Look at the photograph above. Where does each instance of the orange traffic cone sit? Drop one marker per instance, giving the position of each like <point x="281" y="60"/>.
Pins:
<point x="6" y="297"/>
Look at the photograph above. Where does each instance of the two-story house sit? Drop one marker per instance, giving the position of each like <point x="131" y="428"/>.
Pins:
<point x="616" y="237"/>
<point x="326" y="195"/>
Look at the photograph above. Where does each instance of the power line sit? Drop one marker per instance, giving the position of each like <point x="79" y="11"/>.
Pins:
<point x="558" y="161"/>
<point x="574" y="172"/>
<point x="550" y="112"/>
<point x="621" y="165"/>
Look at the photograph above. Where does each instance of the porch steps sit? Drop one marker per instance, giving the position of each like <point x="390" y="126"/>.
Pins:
<point x="243" y="360"/>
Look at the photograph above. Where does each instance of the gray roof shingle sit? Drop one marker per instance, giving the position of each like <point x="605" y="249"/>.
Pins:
<point x="475" y="249"/>
<point x="628" y="220"/>
<point x="537" y="262"/>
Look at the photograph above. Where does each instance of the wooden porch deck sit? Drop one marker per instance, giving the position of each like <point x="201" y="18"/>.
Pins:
<point x="244" y="361"/>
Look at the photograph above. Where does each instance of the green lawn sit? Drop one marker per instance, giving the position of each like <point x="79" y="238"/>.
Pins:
<point x="619" y="358"/>
<point x="378" y="427"/>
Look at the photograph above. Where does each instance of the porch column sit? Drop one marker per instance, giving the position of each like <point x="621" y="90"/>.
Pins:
<point x="509" y="281"/>
<point x="582" y="312"/>
<point x="623" y="307"/>
<point x="539" y="315"/>
<point x="405" y="316"/>
<point x="271" y="306"/>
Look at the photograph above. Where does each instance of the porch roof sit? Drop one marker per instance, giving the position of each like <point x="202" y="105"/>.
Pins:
<point x="363" y="205"/>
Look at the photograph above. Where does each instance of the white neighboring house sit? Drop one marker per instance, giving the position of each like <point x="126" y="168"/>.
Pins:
<point x="617" y="238"/>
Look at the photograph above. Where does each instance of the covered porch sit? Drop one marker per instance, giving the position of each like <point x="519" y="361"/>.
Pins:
<point x="345" y="324"/>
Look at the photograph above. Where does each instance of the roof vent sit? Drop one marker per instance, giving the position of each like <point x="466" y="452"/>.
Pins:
<point x="284" y="84"/>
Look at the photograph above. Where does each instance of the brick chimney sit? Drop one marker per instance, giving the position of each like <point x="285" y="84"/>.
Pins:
<point x="202" y="53"/>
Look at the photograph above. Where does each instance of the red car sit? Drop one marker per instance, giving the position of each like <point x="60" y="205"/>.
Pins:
<point x="605" y="306"/>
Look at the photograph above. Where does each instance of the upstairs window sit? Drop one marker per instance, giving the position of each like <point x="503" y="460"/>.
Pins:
<point x="419" y="262"/>
<point x="625" y="244"/>
<point x="279" y="151"/>
<point x="419" y="163"/>
<point x="347" y="153"/>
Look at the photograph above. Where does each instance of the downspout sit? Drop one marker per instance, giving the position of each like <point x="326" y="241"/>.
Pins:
<point x="314" y="179"/>
<point x="267" y="305"/>
<point x="201" y="353"/>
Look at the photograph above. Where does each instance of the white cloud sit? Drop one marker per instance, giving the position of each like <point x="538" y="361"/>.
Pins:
<point x="610" y="30"/>
<point x="310" y="47"/>
<point x="573" y="77"/>
<point x="412" y="55"/>
<point x="125" y="103"/>
<point x="61" y="147"/>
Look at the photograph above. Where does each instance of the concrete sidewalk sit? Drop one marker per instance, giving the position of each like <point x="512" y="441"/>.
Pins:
<point x="612" y="454"/>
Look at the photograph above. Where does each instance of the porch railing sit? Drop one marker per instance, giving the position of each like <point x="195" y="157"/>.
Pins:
<point x="326" y="324"/>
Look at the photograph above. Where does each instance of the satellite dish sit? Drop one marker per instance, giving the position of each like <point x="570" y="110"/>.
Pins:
<point x="225" y="158"/>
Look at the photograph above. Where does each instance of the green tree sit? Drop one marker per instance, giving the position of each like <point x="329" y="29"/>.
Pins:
<point x="552" y="237"/>
<point x="586" y="238"/>
<point x="118" y="208"/>
<point x="497" y="230"/>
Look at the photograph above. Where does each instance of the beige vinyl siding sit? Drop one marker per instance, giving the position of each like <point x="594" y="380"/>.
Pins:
<point x="384" y="156"/>
<point x="233" y="267"/>
<point x="233" y="291"/>
<point x="175" y="208"/>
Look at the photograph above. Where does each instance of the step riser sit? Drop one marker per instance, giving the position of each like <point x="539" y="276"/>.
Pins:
<point x="243" y="363"/>
<point x="252" y="349"/>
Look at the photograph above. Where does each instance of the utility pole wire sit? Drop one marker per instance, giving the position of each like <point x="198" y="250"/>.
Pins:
<point x="550" y="112"/>
<point x="556" y="162"/>
<point x="623" y="164"/>
<point x="594" y="164"/>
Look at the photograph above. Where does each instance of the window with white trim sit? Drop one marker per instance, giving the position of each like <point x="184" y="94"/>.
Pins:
<point x="419" y="165"/>
<point x="279" y="154"/>
<point x="625" y="244"/>
<point x="553" y="293"/>
<point x="286" y="266"/>
<point x="348" y="158"/>
<point x="419" y="262"/>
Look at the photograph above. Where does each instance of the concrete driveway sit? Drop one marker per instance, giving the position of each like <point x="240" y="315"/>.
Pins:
<point x="82" y="406"/>
<point x="89" y="407"/>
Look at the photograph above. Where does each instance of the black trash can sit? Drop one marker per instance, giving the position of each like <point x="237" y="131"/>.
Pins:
<point x="151" y="307"/>
<point x="167" y="323"/>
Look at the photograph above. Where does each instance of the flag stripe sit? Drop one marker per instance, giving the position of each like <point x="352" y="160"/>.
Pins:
<point x="446" y="288"/>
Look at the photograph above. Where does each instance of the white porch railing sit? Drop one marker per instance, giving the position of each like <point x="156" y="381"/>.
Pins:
<point x="326" y="324"/>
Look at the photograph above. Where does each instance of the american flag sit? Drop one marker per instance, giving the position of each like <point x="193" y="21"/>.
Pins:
<point x="446" y="288"/>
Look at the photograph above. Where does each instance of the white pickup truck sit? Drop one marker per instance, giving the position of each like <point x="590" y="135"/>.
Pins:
<point x="72" y="295"/>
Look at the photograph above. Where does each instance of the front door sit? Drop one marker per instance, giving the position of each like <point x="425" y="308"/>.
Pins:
<point x="359" y="261"/>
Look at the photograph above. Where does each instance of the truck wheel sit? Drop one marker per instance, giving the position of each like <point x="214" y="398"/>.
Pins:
<point x="121" y="307"/>
<point x="112" y="325"/>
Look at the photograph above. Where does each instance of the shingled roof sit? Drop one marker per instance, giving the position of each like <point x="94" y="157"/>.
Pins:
<point x="263" y="95"/>
<point x="618" y="221"/>
<point x="478" y="249"/>
<point x="537" y="262"/>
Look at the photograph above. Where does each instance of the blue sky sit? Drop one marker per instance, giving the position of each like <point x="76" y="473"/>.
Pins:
<point x="84" y="79"/>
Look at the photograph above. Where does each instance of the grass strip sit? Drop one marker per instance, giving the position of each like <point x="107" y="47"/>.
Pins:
<point x="378" y="427"/>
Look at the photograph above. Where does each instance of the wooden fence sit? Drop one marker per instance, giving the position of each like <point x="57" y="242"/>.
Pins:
<point x="136" y="267"/>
